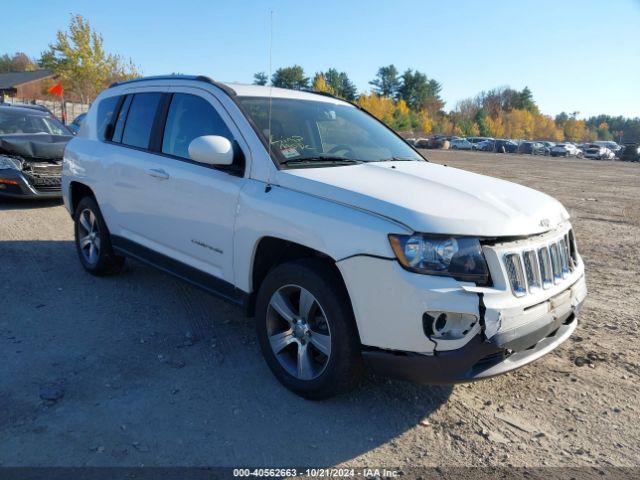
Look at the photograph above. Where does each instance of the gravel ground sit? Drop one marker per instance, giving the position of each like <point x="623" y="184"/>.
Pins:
<point x="143" y="369"/>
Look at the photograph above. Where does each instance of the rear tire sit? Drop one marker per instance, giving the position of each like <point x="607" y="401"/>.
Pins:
<point x="306" y="329"/>
<point x="93" y="240"/>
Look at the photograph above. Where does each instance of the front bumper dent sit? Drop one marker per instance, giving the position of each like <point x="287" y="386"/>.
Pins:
<point x="478" y="359"/>
<point x="389" y="302"/>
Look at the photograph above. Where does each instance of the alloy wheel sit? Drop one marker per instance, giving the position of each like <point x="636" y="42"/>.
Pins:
<point x="89" y="236"/>
<point x="298" y="332"/>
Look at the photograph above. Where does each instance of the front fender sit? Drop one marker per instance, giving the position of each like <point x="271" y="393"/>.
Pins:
<point x="336" y="230"/>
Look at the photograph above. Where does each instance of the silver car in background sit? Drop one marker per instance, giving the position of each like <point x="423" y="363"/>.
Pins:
<point x="461" y="144"/>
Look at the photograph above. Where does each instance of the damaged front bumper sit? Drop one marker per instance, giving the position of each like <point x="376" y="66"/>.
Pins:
<point x="31" y="165"/>
<point x="479" y="358"/>
<point x="17" y="184"/>
<point x="389" y="305"/>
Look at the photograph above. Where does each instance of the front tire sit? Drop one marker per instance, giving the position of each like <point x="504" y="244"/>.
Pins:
<point x="93" y="241"/>
<point x="306" y="329"/>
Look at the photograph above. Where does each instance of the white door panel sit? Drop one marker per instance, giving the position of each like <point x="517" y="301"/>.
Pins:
<point x="191" y="214"/>
<point x="176" y="207"/>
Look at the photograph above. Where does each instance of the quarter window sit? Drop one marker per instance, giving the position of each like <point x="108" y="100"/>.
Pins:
<point x="106" y="112"/>
<point x="122" y="116"/>
<point x="190" y="117"/>
<point x="137" y="130"/>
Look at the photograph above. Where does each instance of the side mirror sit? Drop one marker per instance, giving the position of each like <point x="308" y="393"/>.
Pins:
<point x="212" y="150"/>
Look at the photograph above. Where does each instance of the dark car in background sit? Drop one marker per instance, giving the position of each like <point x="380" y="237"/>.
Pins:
<point x="533" y="148"/>
<point x="484" y="145"/>
<point x="32" y="143"/>
<point x="504" y="146"/>
<point x="630" y="152"/>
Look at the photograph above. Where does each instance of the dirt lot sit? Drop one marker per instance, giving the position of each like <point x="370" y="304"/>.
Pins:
<point x="155" y="372"/>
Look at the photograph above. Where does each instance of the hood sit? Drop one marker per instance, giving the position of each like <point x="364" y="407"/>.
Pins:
<point x="432" y="198"/>
<point x="34" y="146"/>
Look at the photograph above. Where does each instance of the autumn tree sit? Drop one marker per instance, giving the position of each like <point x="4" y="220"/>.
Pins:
<point x="379" y="106"/>
<point x="402" y="117"/>
<point x="340" y="84"/>
<point x="320" y="84"/>
<point x="545" y="129"/>
<point x="386" y="82"/>
<point x="426" y="122"/>
<point x="78" y="58"/>
<point x="290" y="77"/>
<point x="495" y="126"/>
<point x="260" y="78"/>
<point x="444" y="125"/>
<point x="397" y="115"/>
<point x="519" y="124"/>
<point x="575" y="130"/>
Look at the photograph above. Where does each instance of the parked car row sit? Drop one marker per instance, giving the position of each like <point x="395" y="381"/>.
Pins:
<point x="599" y="150"/>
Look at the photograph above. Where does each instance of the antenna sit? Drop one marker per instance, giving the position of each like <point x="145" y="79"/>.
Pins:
<point x="270" y="85"/>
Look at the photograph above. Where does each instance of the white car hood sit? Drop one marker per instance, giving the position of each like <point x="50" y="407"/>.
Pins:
<point x="431" y="198"/>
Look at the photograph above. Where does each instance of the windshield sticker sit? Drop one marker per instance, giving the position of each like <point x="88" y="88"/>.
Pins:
<point x="289" y="152"/>
<point x="295" y="141"/>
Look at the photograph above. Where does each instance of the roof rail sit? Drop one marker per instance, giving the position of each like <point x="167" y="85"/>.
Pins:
<point x="197" y="78"/>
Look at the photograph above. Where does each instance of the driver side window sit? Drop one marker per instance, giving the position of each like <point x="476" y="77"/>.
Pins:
<point x="190" y="117"/>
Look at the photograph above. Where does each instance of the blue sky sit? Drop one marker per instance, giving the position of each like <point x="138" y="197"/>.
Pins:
<point x="575" y="55"/>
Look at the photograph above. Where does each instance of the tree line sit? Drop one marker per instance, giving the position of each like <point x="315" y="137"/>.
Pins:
<point x="412" y="101"/>
<point x="407" y="101"/>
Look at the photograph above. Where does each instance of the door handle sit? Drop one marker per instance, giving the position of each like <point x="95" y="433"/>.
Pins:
<point x="158" y="173"/>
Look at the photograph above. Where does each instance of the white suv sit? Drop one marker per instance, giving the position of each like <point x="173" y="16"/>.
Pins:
<point x="338" y="237"/>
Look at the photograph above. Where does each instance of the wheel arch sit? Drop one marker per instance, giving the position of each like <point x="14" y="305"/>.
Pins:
<point x="271" y="251"/>
<point x="77" y="191"/>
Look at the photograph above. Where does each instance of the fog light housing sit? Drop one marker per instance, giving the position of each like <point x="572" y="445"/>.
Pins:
<point x="448" y="325"/>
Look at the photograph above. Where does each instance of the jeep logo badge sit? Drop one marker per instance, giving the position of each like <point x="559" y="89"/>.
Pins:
<point x="544" y="222"/>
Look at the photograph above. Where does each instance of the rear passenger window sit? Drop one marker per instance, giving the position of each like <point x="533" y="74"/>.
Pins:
<point x="189" y="117"/>
<point x="137" y="130"/>
<point x="106" y="112"/>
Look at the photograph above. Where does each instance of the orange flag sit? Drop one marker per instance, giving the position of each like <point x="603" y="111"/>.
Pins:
<point x="56" y="90"/>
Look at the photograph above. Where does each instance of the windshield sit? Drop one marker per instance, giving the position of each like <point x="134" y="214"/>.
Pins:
<point x="14" y="122"/>
<point x="303" y="130"/>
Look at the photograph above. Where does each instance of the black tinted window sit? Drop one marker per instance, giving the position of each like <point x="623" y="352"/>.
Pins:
<point x="119" y="123"/>
<point x="190" y="117"/>
<point x="137" y="130"/>
<point x="106" y="111"/>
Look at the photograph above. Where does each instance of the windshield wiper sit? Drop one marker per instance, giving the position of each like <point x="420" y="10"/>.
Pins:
<point x="320" y="159"/>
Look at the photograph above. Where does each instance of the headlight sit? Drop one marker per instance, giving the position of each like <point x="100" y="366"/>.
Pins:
<point x="457" y="257"/>
<point x="8" y="162"/>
